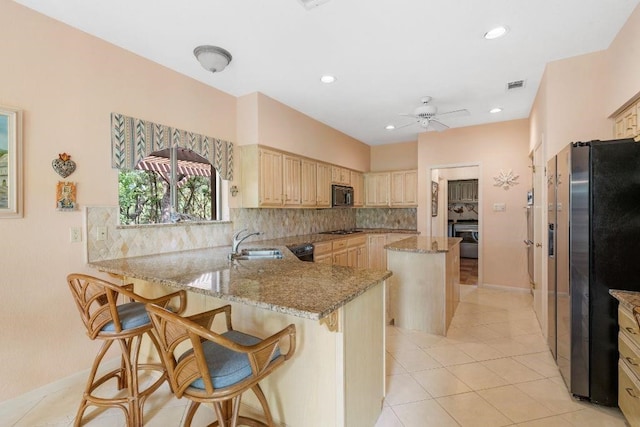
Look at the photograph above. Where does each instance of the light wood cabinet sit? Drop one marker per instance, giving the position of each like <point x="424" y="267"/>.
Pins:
<point x="376" y="253"/>
<point x="357" y="252"/>
<point x="323" y="252"/>
<point x="323" y="185"/>
<point x="626" y="123"/>
<point x="340" y="175"/>
<point x="270" y="178"/>
<point x="357" y="182"/>
<point x="377" y="189"/>
<point x="308" y="183"/>
<point x="629" y="366"/>
<point x="463" y="191"/>
<point x="291" y="180"/>
<point x="404" y="188"/>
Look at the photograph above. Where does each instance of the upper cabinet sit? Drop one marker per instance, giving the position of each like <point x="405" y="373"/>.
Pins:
<point x="626" y="123"/>
<point x="377" y="189"/>
<point x="271" y="178"/>
<point x="397" y="189"/>
<point x="404" y="188"/>
<point x="357" y="182"/>
<point x="463" y="191"/>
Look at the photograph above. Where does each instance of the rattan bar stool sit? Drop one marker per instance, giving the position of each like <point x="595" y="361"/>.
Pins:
<point x="108" y="319"/>
<point x="218" y="368"/>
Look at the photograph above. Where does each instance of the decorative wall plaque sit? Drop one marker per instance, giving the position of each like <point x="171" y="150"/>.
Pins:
<point x="63" y="165"/>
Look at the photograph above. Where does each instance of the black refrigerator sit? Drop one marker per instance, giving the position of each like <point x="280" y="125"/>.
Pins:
<point x="593" y="246"/>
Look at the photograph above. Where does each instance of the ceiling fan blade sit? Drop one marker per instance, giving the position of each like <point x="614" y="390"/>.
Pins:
<point x="436" y="125"/>
<point x="404" y="126"/>
<point x="455" y="113"/>
<point x="407" y="115"/>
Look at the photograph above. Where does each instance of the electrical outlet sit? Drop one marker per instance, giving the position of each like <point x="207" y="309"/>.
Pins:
<point x="75" y="234"/>
<point x="101" y="233"/>
<point x="499" y="207"/>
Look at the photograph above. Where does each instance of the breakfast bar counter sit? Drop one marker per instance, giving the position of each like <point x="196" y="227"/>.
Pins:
<point x="336" y="377"/>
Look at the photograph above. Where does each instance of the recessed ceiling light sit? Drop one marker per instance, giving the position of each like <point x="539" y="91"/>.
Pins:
<point x="495" y="110"/>
<point x="496" y="33"/>
<point x="389" y="127"/>
<point x="328" y="78"/>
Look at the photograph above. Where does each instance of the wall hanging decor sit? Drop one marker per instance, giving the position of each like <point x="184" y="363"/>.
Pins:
<point x="506" y="180"/>
<point x="63" y="165"/>
<point x="10" y="162"/>
<point x="66" y="196"/>
<point x="434" y="198"/>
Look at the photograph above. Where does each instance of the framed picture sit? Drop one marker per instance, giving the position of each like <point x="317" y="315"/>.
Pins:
<point x="434" y="198"/>
<point x="10" y="162"/>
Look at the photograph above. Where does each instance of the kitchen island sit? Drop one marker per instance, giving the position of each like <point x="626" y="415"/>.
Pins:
<point x="424" y="289"/>
<point x="336" y="377"/>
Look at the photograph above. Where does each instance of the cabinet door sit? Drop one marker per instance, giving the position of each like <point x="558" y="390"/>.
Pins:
<point x="323" y="259"/>
<point x="308" y="183"/>
<point x="377" y="189"/>
<point x="397" y="188"/>
<point x="323" y="182"/>
<point x="352" y="257"/>
<point x="411" y="188"/>
<point x="291" y="180"/>
<point x="362" y="257"/>
<point x="341" y="258"/>
<point x="376" y="253"/>
<point x="357" y="182"/>
<point x="270" y="178"/>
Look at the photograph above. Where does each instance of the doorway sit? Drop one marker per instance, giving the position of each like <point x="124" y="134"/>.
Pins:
<point x="459" y="215"/>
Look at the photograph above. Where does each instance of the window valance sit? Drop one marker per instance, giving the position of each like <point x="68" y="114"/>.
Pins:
<point x="134" y="139"/>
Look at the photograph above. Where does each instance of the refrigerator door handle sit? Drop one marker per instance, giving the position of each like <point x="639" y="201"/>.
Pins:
<point x="552" y="238"/>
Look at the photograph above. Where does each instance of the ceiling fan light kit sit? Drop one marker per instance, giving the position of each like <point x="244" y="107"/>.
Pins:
<point x="212" y="58"/>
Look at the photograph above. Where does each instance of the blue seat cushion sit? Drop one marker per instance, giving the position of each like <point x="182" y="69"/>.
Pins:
<point x="132" y="315"/>
<point x="227" y="367"/>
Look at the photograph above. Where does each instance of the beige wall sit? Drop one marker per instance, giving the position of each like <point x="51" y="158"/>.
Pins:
<point x="68" y="83"/>
<point x="493" y="147"/>
<point x="276" y="125"/>
<point x="400" y="156"/>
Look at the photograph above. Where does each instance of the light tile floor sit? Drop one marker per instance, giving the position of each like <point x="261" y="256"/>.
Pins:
<point x="492" y="369"/>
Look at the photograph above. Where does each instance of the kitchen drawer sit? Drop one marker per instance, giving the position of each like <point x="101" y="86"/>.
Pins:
<point x="628" y="324"/>
<point x="322" y="248"/>
<point x="629" y="352"/>
<point x="339" y="244"/>
<point x="357" y="241"/>
<point x="628" y="394"/>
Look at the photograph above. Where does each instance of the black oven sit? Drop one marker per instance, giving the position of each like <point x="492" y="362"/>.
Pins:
<point x="304" y="252"/>
<point x="341" y="196"/>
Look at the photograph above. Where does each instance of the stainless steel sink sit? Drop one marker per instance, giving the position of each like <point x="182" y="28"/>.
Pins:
<point x="260" y="253"/>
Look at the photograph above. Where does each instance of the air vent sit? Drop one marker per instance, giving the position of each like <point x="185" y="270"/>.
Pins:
<point x="310" y="4"/>
<point x="517" y="84"/>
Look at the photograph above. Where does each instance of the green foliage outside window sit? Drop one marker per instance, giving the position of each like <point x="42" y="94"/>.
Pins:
<point x="144" y="198"/>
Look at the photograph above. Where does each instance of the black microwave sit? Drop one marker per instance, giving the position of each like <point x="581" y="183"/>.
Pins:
<point x="341" y="196"/>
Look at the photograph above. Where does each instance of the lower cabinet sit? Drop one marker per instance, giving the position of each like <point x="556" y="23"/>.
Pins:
<point x="629" y="366"/>
<point x="348" y="252"/>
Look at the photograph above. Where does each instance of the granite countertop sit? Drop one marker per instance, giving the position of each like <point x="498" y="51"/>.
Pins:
<point x="317" y="237"/>
<point x="629" y="299"/>
<point x="424" y="245"/>
<point x="287" y="285"/>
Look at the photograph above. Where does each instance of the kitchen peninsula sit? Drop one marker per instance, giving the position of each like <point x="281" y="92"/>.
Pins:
<point x="338" y="313"/>
<point x="425" y="287"/>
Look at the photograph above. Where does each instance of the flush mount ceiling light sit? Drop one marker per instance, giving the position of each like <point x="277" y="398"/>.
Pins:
<point x="495" y="110"/>
<point x="389" y="127"/>
<point x="212" y="58"/>
<point x="496" y="33"/>
<point x="328" y="78"/>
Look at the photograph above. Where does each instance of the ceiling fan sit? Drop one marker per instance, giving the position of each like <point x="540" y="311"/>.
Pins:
<point x="426" y="115"/>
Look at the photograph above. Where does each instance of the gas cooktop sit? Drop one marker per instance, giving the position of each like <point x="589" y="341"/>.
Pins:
<point x="352" y="231"/>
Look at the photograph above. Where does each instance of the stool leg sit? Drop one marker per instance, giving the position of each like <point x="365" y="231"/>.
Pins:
<point x="191" y="411"/>
<point x="263" y="401"/>
<point x="90" y="380"/>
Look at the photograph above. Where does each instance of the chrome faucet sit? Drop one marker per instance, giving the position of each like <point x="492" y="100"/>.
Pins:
<point x="237" y="240"/>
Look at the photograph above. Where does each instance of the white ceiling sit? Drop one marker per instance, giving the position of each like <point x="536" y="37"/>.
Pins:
<point x="386" y="54"/>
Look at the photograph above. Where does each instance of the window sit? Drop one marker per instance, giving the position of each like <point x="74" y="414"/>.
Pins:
<point x="156" y="193"/>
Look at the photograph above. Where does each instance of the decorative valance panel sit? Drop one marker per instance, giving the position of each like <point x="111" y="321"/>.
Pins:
<point x="134" y="139"/>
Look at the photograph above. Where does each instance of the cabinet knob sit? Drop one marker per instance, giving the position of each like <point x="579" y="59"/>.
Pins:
<point x="631" y="361"/>
<point x="538" y="245"/>
<point x="631" y="330"/>
<point x="631" y="392"/>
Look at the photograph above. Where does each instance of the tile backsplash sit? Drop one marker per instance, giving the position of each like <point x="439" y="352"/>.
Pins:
<point x="130" y="241"/>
